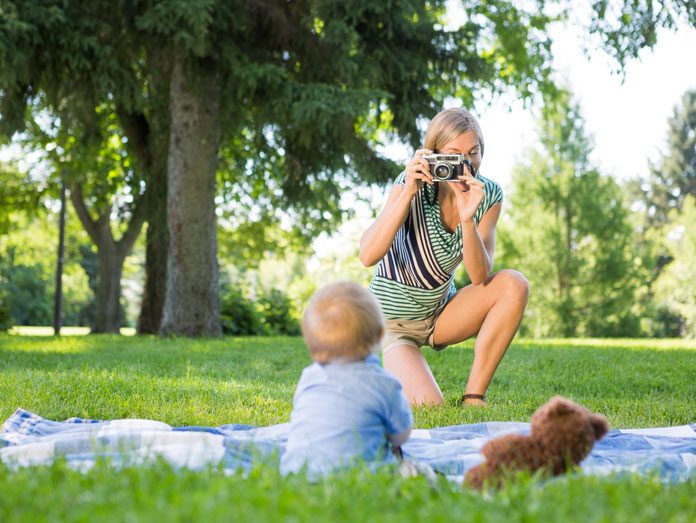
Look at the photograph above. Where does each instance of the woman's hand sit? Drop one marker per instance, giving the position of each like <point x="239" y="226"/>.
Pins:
<point x="467" y="206"/>
<point x="417" y="172"/>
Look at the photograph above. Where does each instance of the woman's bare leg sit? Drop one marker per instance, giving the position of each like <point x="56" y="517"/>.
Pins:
<point x="408" y="364"/>
<point x="492" y="311"/>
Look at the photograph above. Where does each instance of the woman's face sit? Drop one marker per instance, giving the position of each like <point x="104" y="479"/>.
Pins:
<point x="467" y="144"/>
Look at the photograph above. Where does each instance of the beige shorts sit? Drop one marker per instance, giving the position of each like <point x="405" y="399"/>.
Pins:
<point x="416" y="333"/>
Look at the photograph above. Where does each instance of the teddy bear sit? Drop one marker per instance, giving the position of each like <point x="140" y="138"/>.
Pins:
<point x="562" y="434"/>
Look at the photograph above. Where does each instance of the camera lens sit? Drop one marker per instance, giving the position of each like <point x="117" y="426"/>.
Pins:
<point x="442" y="171"/>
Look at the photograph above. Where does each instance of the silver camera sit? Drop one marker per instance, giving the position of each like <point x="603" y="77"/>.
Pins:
<point x="447" y="167"/>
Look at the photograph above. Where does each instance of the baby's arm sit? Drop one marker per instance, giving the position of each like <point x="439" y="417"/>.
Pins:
<point x="399" y="420"/>
<point x="399" y="439"/>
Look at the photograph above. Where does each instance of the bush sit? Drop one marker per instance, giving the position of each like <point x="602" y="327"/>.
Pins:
<point x="27" y="294"/>
<point x="666" y="323"/>
<point x="276" y="310"/>
<point x="238" y="315"/>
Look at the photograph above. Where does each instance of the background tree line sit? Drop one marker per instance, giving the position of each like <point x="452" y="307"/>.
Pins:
<point x="260" y="115"/>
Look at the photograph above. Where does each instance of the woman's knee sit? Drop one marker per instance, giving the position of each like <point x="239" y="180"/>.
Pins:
<point x="513" y="283"/>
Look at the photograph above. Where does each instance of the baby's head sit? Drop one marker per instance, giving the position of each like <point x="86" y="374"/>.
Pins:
<point x="343" y="322"/>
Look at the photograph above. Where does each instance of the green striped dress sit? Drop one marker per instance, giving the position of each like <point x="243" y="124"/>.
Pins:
<point x="415" y="279"/>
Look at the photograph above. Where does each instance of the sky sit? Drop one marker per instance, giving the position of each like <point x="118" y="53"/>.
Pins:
<point x="626" y="115"/>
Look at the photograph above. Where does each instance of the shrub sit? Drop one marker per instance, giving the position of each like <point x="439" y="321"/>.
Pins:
<point x="276" y="310"/>
<point x="238" y="315"/>
<point x="5" y="314"/>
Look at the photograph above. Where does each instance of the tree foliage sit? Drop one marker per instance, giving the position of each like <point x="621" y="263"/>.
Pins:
<point x="17" y="194"/>
<point x="570" y="235"/>
<point x="627" y="26"/>
<point x="297" y="94"/>
<point x="676" y="286"/>
<point x="673" y="176"/>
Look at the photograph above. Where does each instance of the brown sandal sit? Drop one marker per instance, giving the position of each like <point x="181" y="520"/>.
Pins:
<point x="473" y="397"/>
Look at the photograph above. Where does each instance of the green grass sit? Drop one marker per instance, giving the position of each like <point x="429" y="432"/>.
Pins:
<point x="635" y="383"/>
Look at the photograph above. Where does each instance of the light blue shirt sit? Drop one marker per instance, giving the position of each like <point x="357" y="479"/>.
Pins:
<point x="342" y="414"/>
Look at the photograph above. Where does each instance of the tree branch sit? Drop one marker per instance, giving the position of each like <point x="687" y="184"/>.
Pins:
<point x="90" y="225"/>
<point x="135" y="224"/>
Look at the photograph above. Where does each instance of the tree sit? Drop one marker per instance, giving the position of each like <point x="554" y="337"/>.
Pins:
<point x="627" y="26"/>
<point x="570" y="234"/>
<point x="673" y="177"/>
<point x="16" y="194"/>
<point x="89" y="156"/>
<point x="676" y="286"/>
<point x="283" y="85"/>
<point x="659" y="200"/>
<point x="303" y="80"/>
<point x="27" y="269"/>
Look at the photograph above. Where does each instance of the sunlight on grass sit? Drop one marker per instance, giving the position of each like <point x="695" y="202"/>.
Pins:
<point x="628" y="343"/>
<point x="64" y="331"/>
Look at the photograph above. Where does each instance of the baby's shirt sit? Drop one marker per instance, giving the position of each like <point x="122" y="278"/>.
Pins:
<point x="342" y="414"/>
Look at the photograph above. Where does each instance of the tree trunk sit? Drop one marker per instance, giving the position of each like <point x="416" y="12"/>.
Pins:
<point x="58" y="297"/>
<point x="111" y="254"/>
<point x="109" y="290"/>
<point x="150" y="319"/>
<point x="151" y="308"/>
<point x="191" y="305"/>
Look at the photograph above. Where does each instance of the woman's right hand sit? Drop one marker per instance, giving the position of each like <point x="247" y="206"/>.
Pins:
<point x="417" y="172"/>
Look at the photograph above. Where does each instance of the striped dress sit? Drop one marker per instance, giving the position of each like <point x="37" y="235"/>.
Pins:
<point x="415" y="279"/>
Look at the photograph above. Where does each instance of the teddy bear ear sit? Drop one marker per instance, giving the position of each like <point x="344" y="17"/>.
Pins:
<point x="600" y="425"/>
<point x="559" y="406"/>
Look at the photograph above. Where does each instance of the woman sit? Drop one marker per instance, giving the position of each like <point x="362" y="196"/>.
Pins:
<point x="425" y="230"/>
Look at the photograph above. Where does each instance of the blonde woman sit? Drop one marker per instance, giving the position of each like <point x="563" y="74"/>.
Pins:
<point x="425" y="230"/>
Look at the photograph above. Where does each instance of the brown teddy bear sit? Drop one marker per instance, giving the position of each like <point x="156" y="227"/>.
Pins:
<point x="563" y="433"/>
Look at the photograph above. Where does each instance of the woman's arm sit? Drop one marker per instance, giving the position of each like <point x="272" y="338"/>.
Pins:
<point x="478" y="242"/>
<point x="478" y="245"/>
<point x="379" y="236"/>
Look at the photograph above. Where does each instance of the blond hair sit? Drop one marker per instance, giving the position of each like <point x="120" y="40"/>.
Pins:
<point x="448" y="125"/>
<point x="344" y="322"/>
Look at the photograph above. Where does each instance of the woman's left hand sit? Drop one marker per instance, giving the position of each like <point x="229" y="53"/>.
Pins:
<point x="469" y="192"/>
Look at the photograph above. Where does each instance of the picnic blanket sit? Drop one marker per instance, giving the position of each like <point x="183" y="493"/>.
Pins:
<point x="28" y="439"/>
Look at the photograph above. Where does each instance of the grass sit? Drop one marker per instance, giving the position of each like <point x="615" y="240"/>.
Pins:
<point x="635" y="383"/>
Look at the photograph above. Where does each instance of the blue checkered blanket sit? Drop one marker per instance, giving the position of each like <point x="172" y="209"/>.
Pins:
<point x="28" y="439"/>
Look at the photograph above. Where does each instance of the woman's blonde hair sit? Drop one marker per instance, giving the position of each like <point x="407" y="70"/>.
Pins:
<point x="343" y="322"/>
<point x="448" y="125"/>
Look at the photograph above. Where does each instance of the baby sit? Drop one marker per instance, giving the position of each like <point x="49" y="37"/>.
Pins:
<point x="346" y="409"/>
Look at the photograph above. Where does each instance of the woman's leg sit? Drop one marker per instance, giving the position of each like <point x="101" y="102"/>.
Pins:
<point x="492" y="311"/>
<point x="408" y="364"/>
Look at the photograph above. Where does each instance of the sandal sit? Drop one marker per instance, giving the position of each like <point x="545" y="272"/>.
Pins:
<point x="473" y="397"/>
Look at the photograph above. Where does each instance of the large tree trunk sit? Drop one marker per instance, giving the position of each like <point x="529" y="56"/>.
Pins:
<point x="191" y="305"/>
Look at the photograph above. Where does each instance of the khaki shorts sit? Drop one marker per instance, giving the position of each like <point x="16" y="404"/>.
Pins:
<point x="416" y="333"/>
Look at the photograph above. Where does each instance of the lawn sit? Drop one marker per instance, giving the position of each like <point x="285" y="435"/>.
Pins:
<point x="635" y="383"/>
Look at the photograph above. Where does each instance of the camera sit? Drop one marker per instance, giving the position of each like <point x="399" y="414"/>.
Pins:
<point x="447" y="167"/>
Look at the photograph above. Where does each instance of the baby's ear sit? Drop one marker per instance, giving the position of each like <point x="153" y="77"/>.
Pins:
<point x="600" y="425"/>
